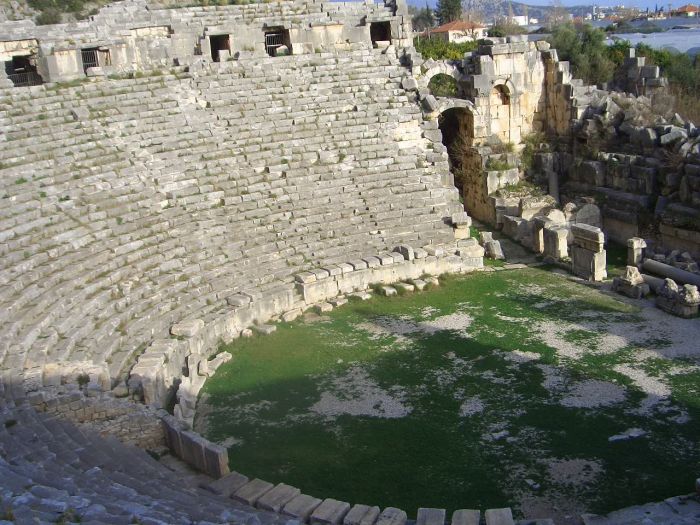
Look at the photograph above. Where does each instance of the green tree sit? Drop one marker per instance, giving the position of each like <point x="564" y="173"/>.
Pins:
<point x="448" y="10"/>
<point x="585" y="49"/>
<point x="424" y="19"/>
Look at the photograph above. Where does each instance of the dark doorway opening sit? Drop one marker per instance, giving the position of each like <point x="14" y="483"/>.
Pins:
<point x="277" y="42"/>
<point x="457" y="127"/>
<point x="22" y="72"/>
<point x="218" y="44"/>
<point x="94" y="57"/>
<point x="380" y="32"/>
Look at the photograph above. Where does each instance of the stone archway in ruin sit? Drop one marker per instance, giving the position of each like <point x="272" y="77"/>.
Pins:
<point x="440" y="68"/>
<point x="457" y="127"/>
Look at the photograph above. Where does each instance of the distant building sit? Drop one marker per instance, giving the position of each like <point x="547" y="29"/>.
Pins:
<point x="687" y="10"/>
<point x="459" y="31"/>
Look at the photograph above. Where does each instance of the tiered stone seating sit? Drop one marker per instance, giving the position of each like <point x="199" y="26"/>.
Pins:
<point x="136" y="203"/>
<point x="52" y="471"/>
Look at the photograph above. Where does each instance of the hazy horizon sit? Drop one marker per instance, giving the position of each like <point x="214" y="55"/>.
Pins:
<point x="568" y="3"/>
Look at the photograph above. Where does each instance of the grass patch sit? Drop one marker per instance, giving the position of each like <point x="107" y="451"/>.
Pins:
<point x="452" y="398"/>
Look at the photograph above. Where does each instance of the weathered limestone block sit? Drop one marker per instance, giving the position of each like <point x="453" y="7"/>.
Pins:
<point x="499" y="517"/>
<point x="631" y="284"/>
<point x="587" y="264"/>
<point x="215" y="460"/>
<point x="275" y="499"/>
<point x="466" y="517"/>
<point x="494" y="250"/>
<point x="635" y="251"/>
<point x="330" y="512"/>
<point x="391" y="516"/>
<point x="301" y="507"/>
<point x="228" y="484"/>
<point x="406" y="251"/>
<point x="251" y="492"/>
<point x="189" y="328"/>
<point x="589" y="214"/>
<point x="430" y="516"/>
<point x="555" y="242"/>
<point x="588" y="237"/>
<point x="679" y="301"/>
<point x="361" y="515"/>
<point x="516" y="228"/>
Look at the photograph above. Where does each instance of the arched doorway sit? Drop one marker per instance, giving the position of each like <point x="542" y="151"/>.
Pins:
<point x="457" y="127"/>
<point x="500" y="107"/>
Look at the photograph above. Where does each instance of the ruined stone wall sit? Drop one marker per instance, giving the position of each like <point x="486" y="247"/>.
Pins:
<point x="132" y="36"/>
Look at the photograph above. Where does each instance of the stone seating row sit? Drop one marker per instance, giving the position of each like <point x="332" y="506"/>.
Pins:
<point x="138" y="236"/>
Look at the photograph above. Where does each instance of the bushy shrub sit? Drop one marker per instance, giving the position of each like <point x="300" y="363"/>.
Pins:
<point x="439" y="49"/>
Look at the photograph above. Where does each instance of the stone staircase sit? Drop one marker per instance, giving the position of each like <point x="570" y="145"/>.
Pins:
<point x="53" y="471"/>
<point x="135" y="203"/>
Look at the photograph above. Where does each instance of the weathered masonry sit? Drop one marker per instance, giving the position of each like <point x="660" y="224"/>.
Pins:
<point x="130" y="36"/>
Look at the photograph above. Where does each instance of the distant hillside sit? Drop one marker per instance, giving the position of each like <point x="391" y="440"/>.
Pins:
<point x="491" y="9"/>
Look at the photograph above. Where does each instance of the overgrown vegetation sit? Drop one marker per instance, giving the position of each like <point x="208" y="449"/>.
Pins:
<point x="439" y="49"/>
<point x="442" y="85"/>
<point x="595" y="62"/>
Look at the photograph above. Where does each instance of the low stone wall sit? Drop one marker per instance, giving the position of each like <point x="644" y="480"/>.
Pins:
<point x="132" y="423"/>
<point x="157" y="375"/>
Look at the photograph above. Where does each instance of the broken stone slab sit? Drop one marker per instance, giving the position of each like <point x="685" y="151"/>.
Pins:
<point x="80" y="113"/>
<point x="514" y="266"/>
<point x="372" y="262"/>
<point x="188" y="328"/>
<point x="322" y="308"/>
<point x="466" y="517"/>
<point x="264" y="329"/>
<point x="430" y="516"/>
<point x="228" y="484"/>
<point x="305" y="277"/>
<point x="330" y="512"/>
<point x="432" y="281"/>
<point x="252" y="491"/>
<point x="404" y="287"/>
<point x="493" y="250"/>
<point x="277" y="498"/>
<point x="420" y="253"/>
<point x="461" y="219"/>
<point x="387" y="291"/>
<point x="430" y="104"/>
<point x="361" y="515"/>
<point x="409" y="83"/>
<point x="358" y="264"/>
<point x="406" y="251"/>
<point x="291" y="315"/>
<point x="499" y="517"/>
<point x="435" y="251"/>
<point x="301" y="507"/>
<point x="631" y="284"/>
<point x="392" y="516"/>
<point x="362" y="296"/>
<point x="338" y="301"/>
<point x="238" y="300"/>
<point x="215" y="460"/>
<point x="420" y="284"/>
<point x="321" y="273"/>
<point x="485" y="237"/>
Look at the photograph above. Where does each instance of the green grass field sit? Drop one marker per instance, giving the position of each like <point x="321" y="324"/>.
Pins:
<point x="496" y="389"/>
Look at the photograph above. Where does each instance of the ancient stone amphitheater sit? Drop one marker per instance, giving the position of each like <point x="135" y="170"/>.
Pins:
<point x="174" y="178"/>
